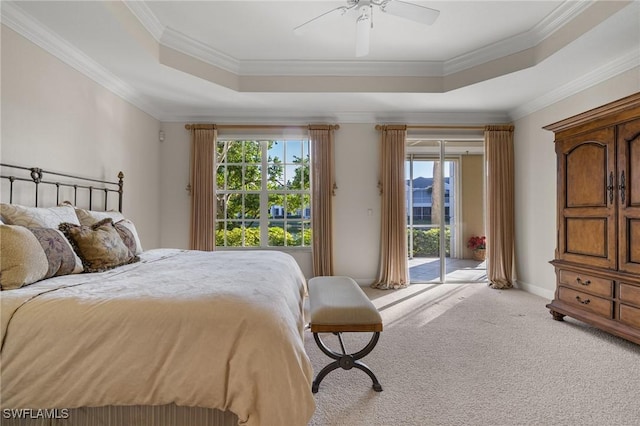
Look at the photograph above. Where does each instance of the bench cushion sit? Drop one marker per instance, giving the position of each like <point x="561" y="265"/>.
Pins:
<point x="338" y="304"/>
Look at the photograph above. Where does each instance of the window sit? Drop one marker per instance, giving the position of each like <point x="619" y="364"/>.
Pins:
<point x="263" y="193"/>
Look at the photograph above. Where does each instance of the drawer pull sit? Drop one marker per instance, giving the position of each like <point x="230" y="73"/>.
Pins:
<point x="585" y="283"/>
<point x="584" y="302"/>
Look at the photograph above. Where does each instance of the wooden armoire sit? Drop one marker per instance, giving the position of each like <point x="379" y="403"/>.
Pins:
<point x="597" y="258"/>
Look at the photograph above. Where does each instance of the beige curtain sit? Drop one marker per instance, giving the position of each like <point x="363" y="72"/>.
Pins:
<point x="500" y="206"/>
<point x="203" y="208"/>
<point x="393" y="271"/>
<point x="322" y="191"/>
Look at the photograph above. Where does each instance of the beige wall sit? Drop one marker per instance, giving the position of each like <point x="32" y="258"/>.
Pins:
<point x="56" y="118"/>
<point x="535" y="180"/>
<point x="472" y="199"/>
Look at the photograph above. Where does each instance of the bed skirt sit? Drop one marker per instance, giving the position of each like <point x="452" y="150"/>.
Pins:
<point x="146" y="415"/>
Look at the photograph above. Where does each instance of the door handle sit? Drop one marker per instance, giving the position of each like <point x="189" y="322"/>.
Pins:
<point x="622" y="187"/>
<point x="610" y="188"/>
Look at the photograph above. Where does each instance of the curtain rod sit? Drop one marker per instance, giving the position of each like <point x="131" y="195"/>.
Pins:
<point x="435" y="127"/>
<point x="260" y="126"/>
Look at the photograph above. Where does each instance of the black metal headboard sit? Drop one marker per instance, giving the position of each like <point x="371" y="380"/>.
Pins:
<point x="87" y="186"/>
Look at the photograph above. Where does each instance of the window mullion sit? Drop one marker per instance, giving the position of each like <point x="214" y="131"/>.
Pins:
<point x="264" y="196"/>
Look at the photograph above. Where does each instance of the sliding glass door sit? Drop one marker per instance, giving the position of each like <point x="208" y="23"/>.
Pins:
<point x="436" y="226"/>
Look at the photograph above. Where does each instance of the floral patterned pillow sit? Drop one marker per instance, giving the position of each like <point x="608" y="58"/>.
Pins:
<point x="99" y="246"/>
<point x="60" y="255"/>
<point x="89" y="217"/>
<point x="49" y="217"/>
<point x="129" y="235"/>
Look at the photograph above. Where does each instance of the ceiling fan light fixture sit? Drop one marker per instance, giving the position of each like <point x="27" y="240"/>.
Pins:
<point x="364" y="22"/>
<point x="363" y="31"/>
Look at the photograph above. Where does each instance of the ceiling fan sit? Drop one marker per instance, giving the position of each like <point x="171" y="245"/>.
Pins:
<point x="364" y="21"/>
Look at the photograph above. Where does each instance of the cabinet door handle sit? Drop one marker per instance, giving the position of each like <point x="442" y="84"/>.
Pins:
<point x="622" y="187"/>
<point x="584" y="302"/>
<point x="585" y="283"/>
<point x="610" y="188"/>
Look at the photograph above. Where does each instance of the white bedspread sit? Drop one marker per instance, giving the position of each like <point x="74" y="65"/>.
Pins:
<point x="209" y="329"/>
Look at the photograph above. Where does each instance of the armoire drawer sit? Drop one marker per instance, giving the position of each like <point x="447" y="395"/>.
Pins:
<point x="588" y="302"/>
<point x="629" y="294"/>
<point x="630" y="315"/>
<point x="582" y="282"/>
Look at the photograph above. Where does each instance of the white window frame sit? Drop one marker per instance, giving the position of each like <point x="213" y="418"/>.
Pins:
<point x="264" y="193"/>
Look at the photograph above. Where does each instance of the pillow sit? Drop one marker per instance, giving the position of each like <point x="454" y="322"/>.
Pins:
<point x="50" y="217"/>
<point x="28" y="255"/>
<point x="22" y="260"/>
<point x="129" y="235"/>
<point x="99" y="246"/>
<point x="60" y="255"/>
<point x="89" y="217"/>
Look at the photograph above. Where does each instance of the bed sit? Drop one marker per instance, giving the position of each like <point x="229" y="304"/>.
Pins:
<point x="168" y="337"/>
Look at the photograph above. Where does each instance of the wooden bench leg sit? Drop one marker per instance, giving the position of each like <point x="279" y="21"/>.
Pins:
<point x="346" y="361"/>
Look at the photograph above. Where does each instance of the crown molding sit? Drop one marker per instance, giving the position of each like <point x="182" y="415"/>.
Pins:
<point x="34" y="31"/>
<point x="610" y="70"/>
<point x="342" y="68"/>
<point x="202" y="51"/>
<point x="147" y="18"/>
<point x="355" y="117"/>
<point x="525" y="40"/>
<point x="557" y="19"/>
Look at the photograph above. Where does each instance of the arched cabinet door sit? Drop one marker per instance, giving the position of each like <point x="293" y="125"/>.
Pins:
<point x="628" y="195"/>
<point x="587" y="199"/>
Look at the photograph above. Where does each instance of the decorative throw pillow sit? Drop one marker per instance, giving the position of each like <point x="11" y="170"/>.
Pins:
<point x="22" y="260"/>
<point x="49" y="217"/>
<point x="99" y="246"/>
<point x="28" y="255"/>
<point x="129" y="235"/>
<point x="60" y="255"/>
<point x="89" y="217"/>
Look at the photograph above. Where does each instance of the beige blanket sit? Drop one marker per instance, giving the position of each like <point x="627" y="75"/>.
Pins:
<point x="219" y="330"/>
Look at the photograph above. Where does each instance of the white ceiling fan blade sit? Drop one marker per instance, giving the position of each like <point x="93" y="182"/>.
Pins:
<point x="414" y="12"/>
<point x="338" y="11"/>
<point x="363" y="31"/>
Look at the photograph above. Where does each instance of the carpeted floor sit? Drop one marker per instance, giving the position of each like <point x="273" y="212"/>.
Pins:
<point x="465" y="354"/>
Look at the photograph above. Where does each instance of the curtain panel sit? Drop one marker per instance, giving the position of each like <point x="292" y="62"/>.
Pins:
<point x="499" y="159"/>
<point x="323" y="188"/>
<point x="203" y="207"/>
<point x="393" y="272"/>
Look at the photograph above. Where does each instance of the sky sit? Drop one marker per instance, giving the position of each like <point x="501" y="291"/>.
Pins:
<point x="423" y="168"/>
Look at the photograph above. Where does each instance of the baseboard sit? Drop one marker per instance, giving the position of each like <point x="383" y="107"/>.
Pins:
<point x="364" y="282"/>
<point x="534" y="289"/>
<point x="529" y="288"/>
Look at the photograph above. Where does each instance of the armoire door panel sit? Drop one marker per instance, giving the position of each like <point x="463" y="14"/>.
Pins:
<point x="587" y="164"/>
<point x="586" y="175"/>
<point x="586" y="182"/>
<point x="634" y="241"/>
<point x="633" y="172"/>
<point x="587" y="236"/>
<point x="628" y="191"/>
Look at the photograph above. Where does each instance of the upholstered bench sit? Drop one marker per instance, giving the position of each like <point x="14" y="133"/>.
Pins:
<point x="338" y="305"/>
